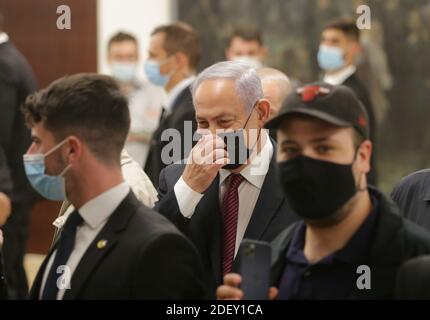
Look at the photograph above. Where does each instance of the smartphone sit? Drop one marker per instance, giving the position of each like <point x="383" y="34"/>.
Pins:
<point x="254" y="264"/>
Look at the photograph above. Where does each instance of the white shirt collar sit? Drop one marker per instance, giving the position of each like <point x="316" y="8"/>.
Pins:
<point x="100" y="208"/>
<point x="256" y="171"/>
<point x="176" y="90"/>
<point x="339" y="77"/>
<point x="3" y="37"/>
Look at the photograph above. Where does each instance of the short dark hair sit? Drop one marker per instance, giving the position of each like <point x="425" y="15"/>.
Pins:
<point x="89" y="106"/>
<point x="181" y="37"/>
<point x="348" y="26"/>
<point x="247" y="33"/>
<point x="120" y="37"/>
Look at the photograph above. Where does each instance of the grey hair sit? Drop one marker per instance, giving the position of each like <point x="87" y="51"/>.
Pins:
<point x="247" y="82"/>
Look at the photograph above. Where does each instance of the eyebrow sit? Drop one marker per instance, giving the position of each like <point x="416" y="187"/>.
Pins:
<point x="35" y="138"/>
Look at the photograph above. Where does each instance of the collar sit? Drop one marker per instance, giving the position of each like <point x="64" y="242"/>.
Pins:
<point x="176" y="90"/>
<point x="99" y="209"/>
<point x="3" y="37"/>
<point x="257" y="169"/>
<point x="354" y="252"/>
<point x="340" y="76"/>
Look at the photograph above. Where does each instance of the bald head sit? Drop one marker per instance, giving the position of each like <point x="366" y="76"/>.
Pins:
<point x="276" y="87"/>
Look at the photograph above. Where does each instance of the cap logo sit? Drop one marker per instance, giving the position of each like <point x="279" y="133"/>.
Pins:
<point x="309" y="93"/>
<point x="362" y="120"/>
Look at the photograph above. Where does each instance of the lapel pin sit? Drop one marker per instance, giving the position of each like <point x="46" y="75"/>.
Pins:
<point x="101" y="244"/>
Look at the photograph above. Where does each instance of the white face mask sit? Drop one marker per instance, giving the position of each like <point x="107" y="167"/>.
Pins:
<point x="124" y="71"/>
<point x="50" y="187"/>
<point x="252" y="61"/>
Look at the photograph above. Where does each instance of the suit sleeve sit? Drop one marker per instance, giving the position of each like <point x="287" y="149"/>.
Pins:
<point x="169" y="268"/>
<point x="3" y="285"/>
<point x="5" y="179"/>
<point x="168" y="205"/>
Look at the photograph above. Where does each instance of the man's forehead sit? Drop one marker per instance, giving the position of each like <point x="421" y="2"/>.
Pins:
<point x="216" y="88"/>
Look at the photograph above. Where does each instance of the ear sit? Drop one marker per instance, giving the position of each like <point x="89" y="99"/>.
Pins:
<point x="364" y="154"/>
<point x="263" y="110"/>
<point x="180" y="59"/>
<point x="75" y="149"/>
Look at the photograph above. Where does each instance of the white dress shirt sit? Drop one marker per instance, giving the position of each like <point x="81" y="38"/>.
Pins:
<point x="3" y="37"/>
<point x="340" y="76"/>
<point x="95" y="214"/>
<point x="176" y="90"/>
<point x="249" y="190"/>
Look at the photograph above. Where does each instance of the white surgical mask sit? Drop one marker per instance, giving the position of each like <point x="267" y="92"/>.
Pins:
<point x="50" y="187"/>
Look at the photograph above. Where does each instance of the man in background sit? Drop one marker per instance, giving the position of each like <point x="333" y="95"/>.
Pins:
<point x="144" y="99"/>
<point x="246" y="44"/>
<point x="16" y="82"/>
<point x="338" y="51"/>
<point x="174" y="53"/>
<point x="412" y="195"/>
<point x="276" y="87"/>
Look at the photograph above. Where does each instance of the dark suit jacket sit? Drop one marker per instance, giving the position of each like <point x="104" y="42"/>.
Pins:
<point x="395" y="241"/>
<point x="271" y="215"/>
<point x="16" y="83"/>
<point x="5" y="180"/>
<point x="412" y="195"/>
<point x="413" y="279"/>
<point x="182" y="110"/>
<point x="5" y="187"/>
<point x="353" y="83"/>
<point x="3" y="284"/>
<point x="146" y="257"/>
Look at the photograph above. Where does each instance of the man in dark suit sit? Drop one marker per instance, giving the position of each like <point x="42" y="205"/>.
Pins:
<point x="339" y="48"/>
<point x="174" y="53"/>
<point x="412" y="195"/>
<point x="110" y="246"/>
<point x="16" y="82"/>
<point x="5" y="208"/>
<point x="219" y="197"/>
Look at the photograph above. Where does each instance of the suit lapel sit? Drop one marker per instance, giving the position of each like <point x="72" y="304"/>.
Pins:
<point x="209" y="206"/>
<point x="37" y="283"/>
<point x="268" y="203"/>
<point x="104" y="242"/>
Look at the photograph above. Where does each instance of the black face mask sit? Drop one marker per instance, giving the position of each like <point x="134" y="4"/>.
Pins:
<point x="315" y="188"/>
<point x="236" y="147"/>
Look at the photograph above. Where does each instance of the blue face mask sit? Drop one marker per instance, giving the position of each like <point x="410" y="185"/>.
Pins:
<point x="50" y="187"/>
<point x="330" y="58"/>
<point x="152" y="71"/>
<point x="124" y="71"/>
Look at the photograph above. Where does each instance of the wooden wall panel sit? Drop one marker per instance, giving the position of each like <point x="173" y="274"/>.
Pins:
<point x="32" y="27"/>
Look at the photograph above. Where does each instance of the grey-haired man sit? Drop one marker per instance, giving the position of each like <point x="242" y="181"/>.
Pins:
<point x="219" y="197"/>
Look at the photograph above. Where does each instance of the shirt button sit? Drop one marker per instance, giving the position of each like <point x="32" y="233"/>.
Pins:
<point x="307" y="273"/>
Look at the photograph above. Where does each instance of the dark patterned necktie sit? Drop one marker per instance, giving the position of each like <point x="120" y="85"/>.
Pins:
<point x="229" y="215"/>
<point x="64" y="249"/>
